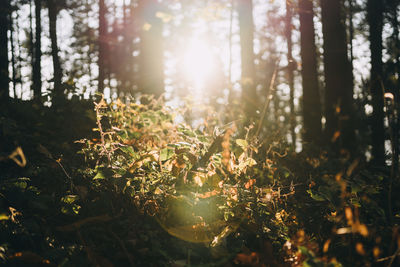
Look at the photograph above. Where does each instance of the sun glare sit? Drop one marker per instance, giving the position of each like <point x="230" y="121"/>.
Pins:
<point x="198" y="63"/>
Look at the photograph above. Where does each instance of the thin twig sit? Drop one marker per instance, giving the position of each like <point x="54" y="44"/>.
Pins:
<point x="391" y="258"/>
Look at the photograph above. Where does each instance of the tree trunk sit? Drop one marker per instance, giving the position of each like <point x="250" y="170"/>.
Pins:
<point x="57" y="75"/>
<point x="102" y="44"/>
<point x="14" y="76"/>
<point x="339" y="128"/>
<point x="31" y="43"/>
<point x="19" y="59"/>
<point x="375" y="22"/>
<point x="311" y="96"/>
<point x="290" y="68"/>
<point x="394" y="19"/>
<point x="246" y="31"/>
<point x="4" y="79"/>
<point x="37" y="72"/>
<point x="151" y="70"/>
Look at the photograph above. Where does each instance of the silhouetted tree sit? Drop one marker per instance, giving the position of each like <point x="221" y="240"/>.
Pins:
<point x="4" y="79"/>
<point x="53" y="8"/>
<point x="291" y="67"/>
<point x="311" y="96"/>
<point x="37" y="51"/>
<point x="375" y="22"/>
<point x="102" y="45"/>
<point x="338" y="77"/>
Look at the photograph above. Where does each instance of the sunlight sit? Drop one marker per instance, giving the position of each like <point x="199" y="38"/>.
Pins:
<point x="198" y="63"/>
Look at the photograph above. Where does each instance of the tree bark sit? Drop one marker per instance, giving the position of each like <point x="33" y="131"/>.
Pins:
<point x="339" y="128"/>
<point x="246" y="31"/>
<point x="13" y="63"/>
<point x="290" y="68"/>
<point x="102" y="44"/>
<point x="396" y="131"/>
<point x="311" y="95"/>
<point x="375" y="22"/>
<point x="36" y="70"/>
<point x="4" y="79"/>
<point x="57" y="75"/>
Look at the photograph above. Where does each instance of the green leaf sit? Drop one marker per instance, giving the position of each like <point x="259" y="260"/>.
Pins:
<point x="69" y="199"/>
<point x="99" y="175"/>
<point x="166" y="154"/>
<point x="315" y="196"/>
<point x="128" y="149"/>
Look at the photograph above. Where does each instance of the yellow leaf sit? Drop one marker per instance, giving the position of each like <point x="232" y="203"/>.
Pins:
<point x="4" y="217"/>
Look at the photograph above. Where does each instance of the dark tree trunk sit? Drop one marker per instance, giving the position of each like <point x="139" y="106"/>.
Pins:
<point x="311" y="96"/>
<point x="246" y="30"/>
<point x="351" y="30"/>
<point x="89" y="54"/>
<point x="37" y="72"/>
<point x="290" y="68"/>
<point x="338" y="78"/>
<point x="396" y="137"/>
<point x="4" y="79"/>
<point x="31" y="43"/>
<point x="13" y="63"/>
<point x="151" y="69"/>
<point x="102" y="45"/>
<point x="375" y="22"/>
<point x="19" y="58"/>
<point x="57" y="76"/>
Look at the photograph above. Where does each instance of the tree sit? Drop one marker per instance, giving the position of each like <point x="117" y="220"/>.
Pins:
<point x="37" y="51"/>
<point x="246" y="31"/>
<point x="4" y="79"/>
<point x="151" y="70"/>
<point x="291" y="67"/>
<point x="339" y="128"/>
<point x="13" y="63"/>
<point x="375" y="22"/>
<point x="394" y="44"/>
<point x="53" y="7"/>
<point x="311" y="96"/>
<point x="102" y="45"/>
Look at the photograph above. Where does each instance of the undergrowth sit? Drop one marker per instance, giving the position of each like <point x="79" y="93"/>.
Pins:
<point x="145" y="188"/>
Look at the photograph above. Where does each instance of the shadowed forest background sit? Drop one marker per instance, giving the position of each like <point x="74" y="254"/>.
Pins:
<point x="199" y="133"/>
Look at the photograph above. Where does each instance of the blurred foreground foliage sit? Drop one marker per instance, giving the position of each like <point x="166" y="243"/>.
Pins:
<point x="133" y="184"/>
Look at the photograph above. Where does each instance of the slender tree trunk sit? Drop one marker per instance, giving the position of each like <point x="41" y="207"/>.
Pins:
<point x="338" y="78"/>
<point x="151" y="69"/>
<point x="396" y="122"/>
<point x="290" y="68"/>
<point x="311" y="96"/>
<point x="19" y="60"/>
<point x="57" y="76"/>
<point x="31" y="42"/>
<point x="102" y="44"/>
<point x="351" y="30"/>
<point x="53" y="12"/>
<point x="375" y="22"/>
<point x="89" y="51"/>
<point x="37" y="72"/>
<point x="246" y="31"/>
<point x="4" y="79"/>
<point x="14" y="80"/>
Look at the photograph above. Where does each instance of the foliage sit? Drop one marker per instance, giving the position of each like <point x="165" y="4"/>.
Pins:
<point x="147" y="189"/>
